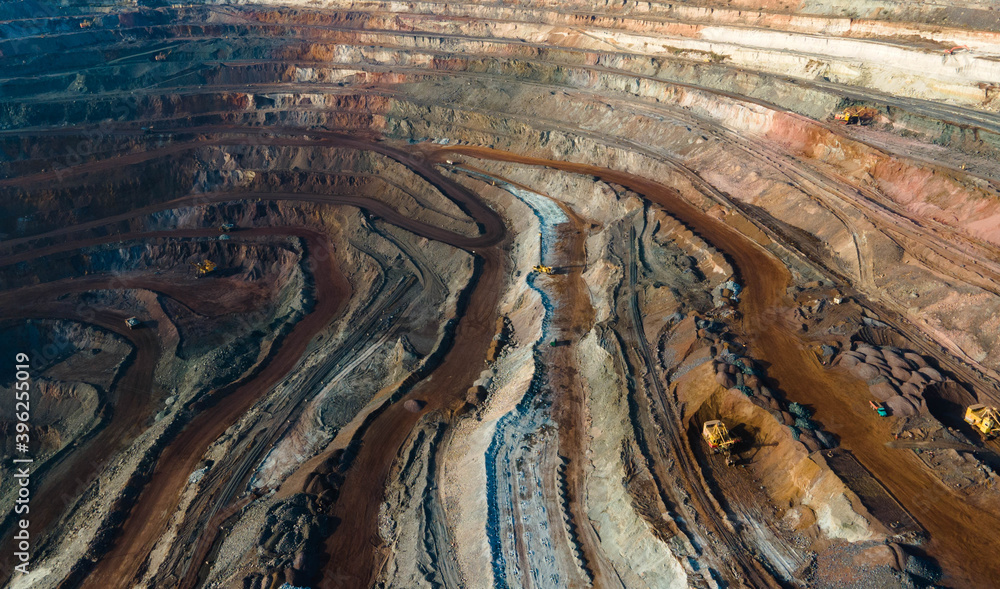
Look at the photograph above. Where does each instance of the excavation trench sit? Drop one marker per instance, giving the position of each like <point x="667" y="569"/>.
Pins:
<point x="840" y="402"/>
<point x="505" y="476"/>
<point x="569" y="315"/>
<point x="132" y="401"/>
<point x="354" y="549"/>
<point x="154" y="505"/>
<point x="516" y="511"/>
<point x="178" y="460"/>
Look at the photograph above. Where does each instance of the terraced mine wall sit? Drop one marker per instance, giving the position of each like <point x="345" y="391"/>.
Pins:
<point x="369" y="180"/>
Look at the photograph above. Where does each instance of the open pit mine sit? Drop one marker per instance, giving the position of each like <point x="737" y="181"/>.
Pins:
<point x="340" y="294"/>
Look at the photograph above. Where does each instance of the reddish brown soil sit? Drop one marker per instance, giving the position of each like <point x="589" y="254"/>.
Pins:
<point x="574" y="319"/>
<point x="351" y="548"/>
<point x="156" y="503"/>
<point x="63" y="482"/>
<point x="840" y="403"/>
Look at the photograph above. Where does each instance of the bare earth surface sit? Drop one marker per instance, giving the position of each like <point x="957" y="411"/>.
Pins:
<point x="441" y="294"/>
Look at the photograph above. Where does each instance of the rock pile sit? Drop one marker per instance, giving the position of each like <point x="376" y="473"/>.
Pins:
<point x="898" y="378"/>
<point x="288" y="542"/>
<point x="873" y="564"/>
<point x="501" y="340"/>
<point x="291" y="539"/>
<point x="741" y="376"/>
<point x="414" y="405"/>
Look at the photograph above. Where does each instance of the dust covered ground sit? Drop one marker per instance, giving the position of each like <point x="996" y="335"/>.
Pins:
<point x="368" y="294"/>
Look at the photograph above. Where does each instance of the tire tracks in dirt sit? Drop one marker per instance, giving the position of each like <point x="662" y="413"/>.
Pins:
<point x="751" y="569"/>
<point x="154" y="506"/>
<point x="177" y="460"/>
<point x="839" y="402"/>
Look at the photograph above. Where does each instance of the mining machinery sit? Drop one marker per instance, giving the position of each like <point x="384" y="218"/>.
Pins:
<point x="985" y="419"/>
<point x="203" y="268"/>
<point x="857" y="115"/>
<point x="719" y="439"/>
<point x="541" y="268"/>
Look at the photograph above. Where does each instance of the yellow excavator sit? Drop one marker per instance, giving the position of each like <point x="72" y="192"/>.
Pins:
<point x="985" y="419"/>
<point x="541" y="268"/>
<point x="857" y="115"/>
<point x="203" y="268"/>
<point x="719" y="439"/>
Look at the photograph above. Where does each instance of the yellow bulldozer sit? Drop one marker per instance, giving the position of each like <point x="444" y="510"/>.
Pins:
<point x="543" y="269"/>
<point x="203" y="268"/>
<point x="985" y="419"/>
<point x="719" y="439"/>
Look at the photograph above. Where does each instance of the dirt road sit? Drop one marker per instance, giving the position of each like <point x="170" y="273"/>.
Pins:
<point x="178" y="460"/>
<point x="152" y="510"/>
<point x="352" y="548"/>
<point x="67" y="476"/>
<point x="840" y="403"/>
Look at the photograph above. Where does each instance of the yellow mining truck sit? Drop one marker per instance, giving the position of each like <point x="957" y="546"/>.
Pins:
<point x="985" y="419"/>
